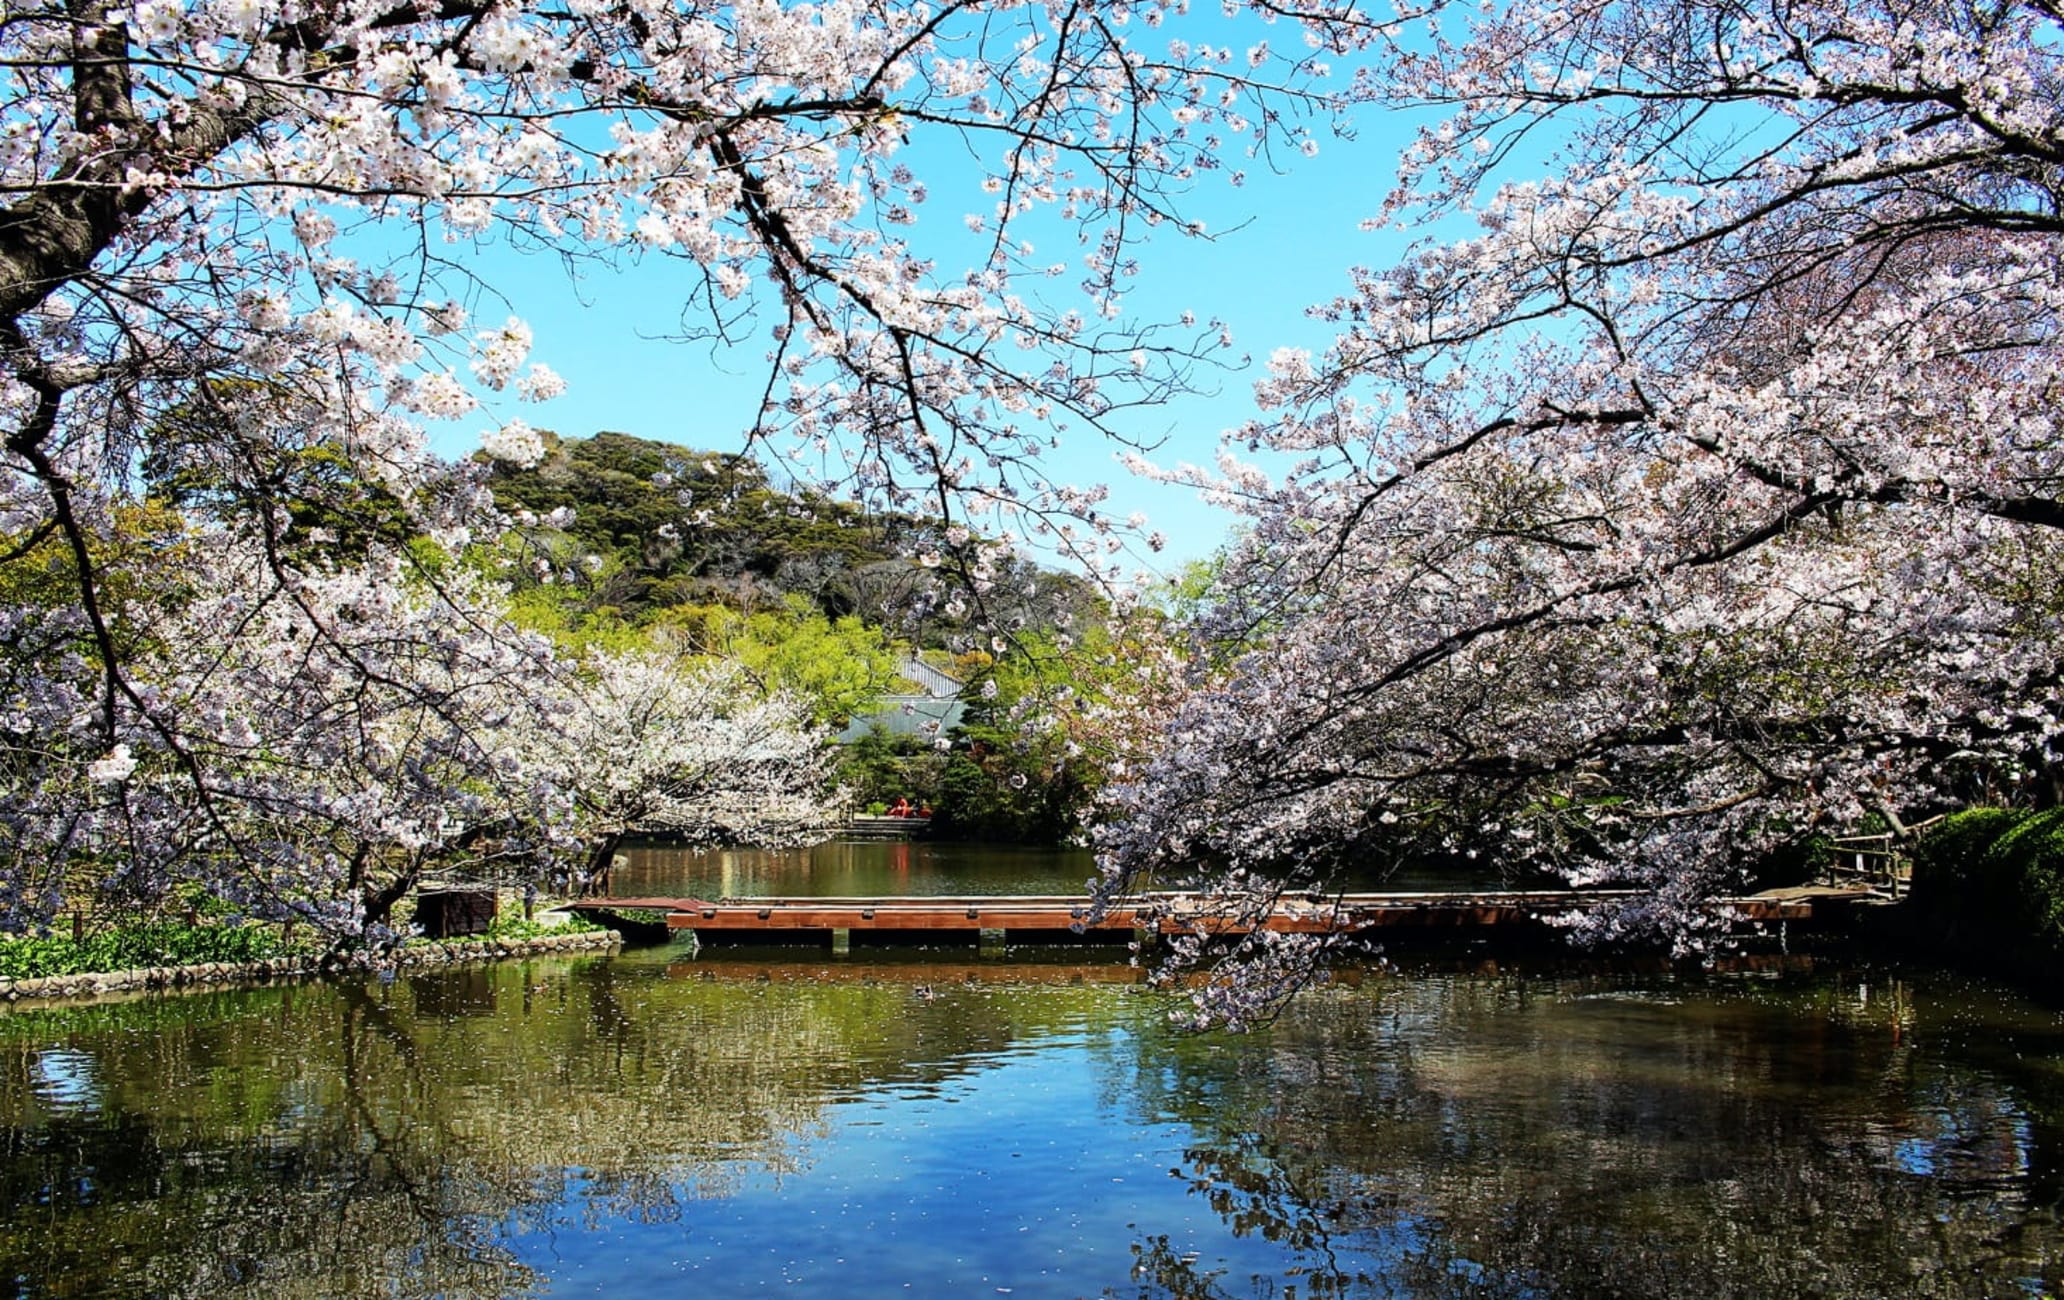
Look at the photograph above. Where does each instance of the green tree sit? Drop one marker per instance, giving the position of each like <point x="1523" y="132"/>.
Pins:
<point x="838" y="665"/>
<point x="681" y="526"/>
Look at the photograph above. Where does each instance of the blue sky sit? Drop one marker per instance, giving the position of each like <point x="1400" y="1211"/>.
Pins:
<point x="1287" y="241"/>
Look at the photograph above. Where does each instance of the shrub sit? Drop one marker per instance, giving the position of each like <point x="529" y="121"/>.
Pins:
<point x="513" y="926"/>
<point x="135" y="947"/>
<point x="1952" y="872"/>
<point x="2000" y="868"/>
<point x="2029" y="857"/>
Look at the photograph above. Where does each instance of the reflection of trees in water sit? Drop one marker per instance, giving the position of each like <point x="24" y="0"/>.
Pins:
<point x="1501" y="1138"/>
<point x="1427" y="1138"/>
<point x="245" y="1182"/>
<point x="395" y="1138"/>
<point x="1258" y="1196"/>
<point x="326" y="1219"/>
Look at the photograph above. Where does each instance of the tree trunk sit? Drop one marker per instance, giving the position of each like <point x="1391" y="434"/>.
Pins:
<point x="594" y="882"/>
<point x="379" y="901"/>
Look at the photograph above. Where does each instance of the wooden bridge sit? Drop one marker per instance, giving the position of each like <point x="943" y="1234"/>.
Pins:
<point x="1060" y="918"/>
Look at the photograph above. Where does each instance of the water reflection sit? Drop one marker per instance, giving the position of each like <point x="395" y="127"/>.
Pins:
<point x="65" y="1080"/>
<point x="438" y="1135"/>
<point x="1522" y="1138"/>
<point x="876" y="1126"/>
<point x="659" y="868"/>
<point x="849" y="869"/>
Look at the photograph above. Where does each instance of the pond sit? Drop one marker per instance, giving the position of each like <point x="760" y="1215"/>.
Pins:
<point x="849" y="869"/>
<point x="894" y="1125"/>
<point x="865" y="869"/>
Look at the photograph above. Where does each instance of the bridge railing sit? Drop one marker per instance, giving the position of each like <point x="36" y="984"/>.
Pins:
<point x="1883" y="861"/>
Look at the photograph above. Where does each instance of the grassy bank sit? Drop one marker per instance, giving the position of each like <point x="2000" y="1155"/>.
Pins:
<point x="158" y="945"/>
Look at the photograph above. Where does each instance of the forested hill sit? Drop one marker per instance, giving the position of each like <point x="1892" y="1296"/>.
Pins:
<point x="694" y="527"/>
<point x="676" y="526"/>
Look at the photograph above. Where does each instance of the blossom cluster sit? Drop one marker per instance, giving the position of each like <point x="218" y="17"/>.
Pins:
<point x="1698" y="500"/>
<point x="296" y="191"/>
<point x="308" y="745"/>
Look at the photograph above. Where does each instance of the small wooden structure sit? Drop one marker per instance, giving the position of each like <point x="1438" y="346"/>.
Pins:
<point x="446" y="911"/>
<point x="1881" y="862"/>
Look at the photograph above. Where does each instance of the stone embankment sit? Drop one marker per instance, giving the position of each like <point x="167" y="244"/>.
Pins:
<point x="442" y="953"/>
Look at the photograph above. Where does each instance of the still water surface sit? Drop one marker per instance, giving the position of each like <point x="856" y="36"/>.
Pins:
<point x="883" y="1125"/>
<point x="656" y="869"/>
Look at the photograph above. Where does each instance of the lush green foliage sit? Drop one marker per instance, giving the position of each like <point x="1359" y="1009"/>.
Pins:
<point x="878" y="768"/>
<point x="511" y="925"/>
<point x="137" y="946"/>
<point x="2031" y="855"/>
<point x="1028" y="757"/>
<point x="1006" y="773"/>
<point x="330" y="507"/>
<point x="662" y="543"/>
<point x="168" y="943"/>
<point x="620" y="529"/>
<point x="836" y="666"/>
<point x="1952" y="867"/>
<point x="677" y="526"/>
<point x="1009" y="776"/>
<point x="839" y="665"/>
<point x="2000" y="868"/>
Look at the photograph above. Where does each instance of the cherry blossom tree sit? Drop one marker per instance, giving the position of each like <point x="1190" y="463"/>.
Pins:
<point x="312" y="749"/>
<point x="234" y="270"/>
<point x="304" y="748"/>
<point x="1702" y="496"/>
<point x="649" y="743"/>
<point x="287" y="192"/>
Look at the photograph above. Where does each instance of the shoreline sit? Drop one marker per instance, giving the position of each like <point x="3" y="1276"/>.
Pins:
<point x="1898" y="933"/>
<point x="199" y="975"/>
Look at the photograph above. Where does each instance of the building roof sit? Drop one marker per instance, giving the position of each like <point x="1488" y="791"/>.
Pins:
<point x="937" y="684"/>
<point x="932" y="713"/>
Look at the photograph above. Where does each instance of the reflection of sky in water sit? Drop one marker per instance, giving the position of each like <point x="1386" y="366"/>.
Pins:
<point x="1978" y="1145"/>
<point x="66" y="1080"/>
<point x="1021" y="1176"/>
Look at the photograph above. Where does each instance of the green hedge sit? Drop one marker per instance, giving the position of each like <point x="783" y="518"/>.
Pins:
<point x="2000" y="868"/>
<point x="1950" y="871"/>
<point x="2032" y="855"/>
<point x="135" y="947"/>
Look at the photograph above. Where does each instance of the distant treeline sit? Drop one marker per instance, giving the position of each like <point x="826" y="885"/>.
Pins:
<point x="680" y="527"/>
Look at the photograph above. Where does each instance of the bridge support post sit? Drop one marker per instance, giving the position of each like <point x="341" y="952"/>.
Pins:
<point x="990" y="943"/>
<point x="842" y="940"/>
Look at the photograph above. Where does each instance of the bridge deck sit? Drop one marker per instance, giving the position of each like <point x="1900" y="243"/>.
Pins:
<point x="1175" y="913"/>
